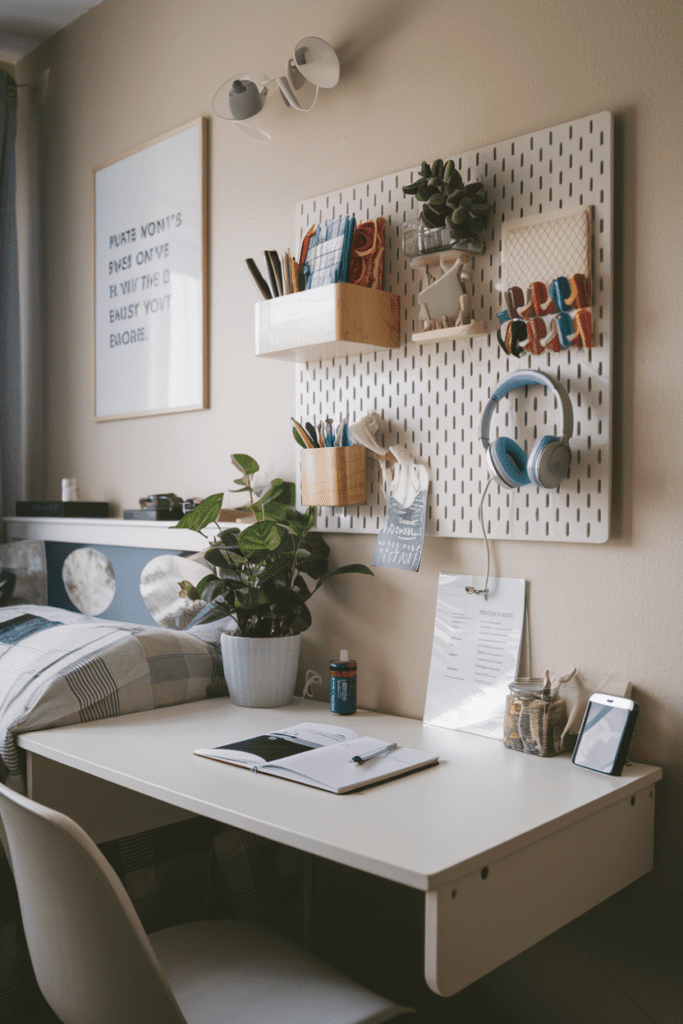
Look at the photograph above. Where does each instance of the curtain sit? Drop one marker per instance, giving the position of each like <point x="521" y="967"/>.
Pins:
<point x="21" y="388"/>
<point x="10" y="356"/>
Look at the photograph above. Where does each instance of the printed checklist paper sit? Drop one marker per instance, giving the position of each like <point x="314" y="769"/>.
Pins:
<point x="322" y="756"/>
<point x="475" y="653"/>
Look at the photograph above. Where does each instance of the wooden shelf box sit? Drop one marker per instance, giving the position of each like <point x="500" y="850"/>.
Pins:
<point x="328" y="322"/>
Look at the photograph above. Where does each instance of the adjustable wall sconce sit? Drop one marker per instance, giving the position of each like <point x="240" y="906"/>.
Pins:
<point x="243" y="96"/>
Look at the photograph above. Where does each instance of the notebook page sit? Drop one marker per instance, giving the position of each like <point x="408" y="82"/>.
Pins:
<point x="331" y="767"/>
<point x="258" y="750"/>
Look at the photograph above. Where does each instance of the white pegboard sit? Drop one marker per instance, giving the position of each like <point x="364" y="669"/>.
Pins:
<point x="430" y="396"/>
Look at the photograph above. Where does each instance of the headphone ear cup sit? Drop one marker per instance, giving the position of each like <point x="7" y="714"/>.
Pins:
<point x="508" y="462"/>
<point x="548" y="462"/>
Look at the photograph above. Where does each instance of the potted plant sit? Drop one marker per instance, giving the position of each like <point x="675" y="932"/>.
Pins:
<point x="453" y="213"/>
<point x="259" y="584"/>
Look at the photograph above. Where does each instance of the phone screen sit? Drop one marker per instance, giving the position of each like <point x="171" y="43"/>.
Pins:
<point x="598" y="745"/>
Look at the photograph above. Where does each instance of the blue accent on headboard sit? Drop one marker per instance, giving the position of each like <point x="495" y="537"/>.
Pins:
<point x="127" y="563"/>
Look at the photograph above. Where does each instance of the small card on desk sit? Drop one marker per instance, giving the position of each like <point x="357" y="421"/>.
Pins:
<point x="326" y="757"/>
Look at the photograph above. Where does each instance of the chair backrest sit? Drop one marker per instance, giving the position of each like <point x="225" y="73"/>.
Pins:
<point x="92" y="959"/>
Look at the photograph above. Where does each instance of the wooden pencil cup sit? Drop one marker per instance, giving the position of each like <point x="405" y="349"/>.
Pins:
<point x="334" y="476"/>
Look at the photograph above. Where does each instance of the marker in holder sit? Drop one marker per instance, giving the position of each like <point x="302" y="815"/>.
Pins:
<point x="343" y="685"/>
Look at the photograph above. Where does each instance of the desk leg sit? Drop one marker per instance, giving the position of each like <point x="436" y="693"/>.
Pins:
<point x="486" y="917"/>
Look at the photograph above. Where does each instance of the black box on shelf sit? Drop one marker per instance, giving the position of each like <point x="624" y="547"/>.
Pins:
<point x="64" y="509"/>
<point x="167" y="515"/>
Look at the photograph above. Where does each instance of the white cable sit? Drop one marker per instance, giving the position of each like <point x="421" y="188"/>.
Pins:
<point x="311" y="678"/>
<point x="471" y="590"/>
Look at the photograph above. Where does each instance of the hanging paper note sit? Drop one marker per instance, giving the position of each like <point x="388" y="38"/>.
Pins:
<point x="401" y="539"/>
<point x="475" y="653"/>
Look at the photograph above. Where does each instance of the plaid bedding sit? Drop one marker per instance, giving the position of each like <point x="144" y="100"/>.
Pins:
<point x="54" y="673"/>
<point x="60" y="668"/>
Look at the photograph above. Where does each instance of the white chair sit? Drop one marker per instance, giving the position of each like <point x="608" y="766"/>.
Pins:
<point x="95" y="964"/>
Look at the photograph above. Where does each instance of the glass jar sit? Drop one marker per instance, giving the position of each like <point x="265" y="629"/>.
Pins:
<point x="418" y="239"/>
<point x="534" y="718"/>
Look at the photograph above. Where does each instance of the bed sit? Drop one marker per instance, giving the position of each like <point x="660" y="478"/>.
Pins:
<point x="59" y="666"/>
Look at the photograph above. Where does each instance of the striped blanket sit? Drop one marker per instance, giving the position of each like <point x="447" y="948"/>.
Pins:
<point x="60" y="668"/>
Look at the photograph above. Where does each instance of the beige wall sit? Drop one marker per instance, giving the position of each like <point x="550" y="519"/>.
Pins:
<point x="419" y="79"/>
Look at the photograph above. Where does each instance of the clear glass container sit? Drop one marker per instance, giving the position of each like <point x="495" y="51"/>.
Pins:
<point x="417" y="240"/>
<point x="534" y="718"/>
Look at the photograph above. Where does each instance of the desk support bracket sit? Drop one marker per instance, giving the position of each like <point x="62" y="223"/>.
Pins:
<point x="486" y="917"/>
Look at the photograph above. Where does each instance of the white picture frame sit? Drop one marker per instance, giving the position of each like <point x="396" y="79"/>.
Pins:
<point x="151" y="278"/>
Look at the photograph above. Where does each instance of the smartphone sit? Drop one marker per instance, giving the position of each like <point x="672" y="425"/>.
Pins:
<point x="605" y="733"/>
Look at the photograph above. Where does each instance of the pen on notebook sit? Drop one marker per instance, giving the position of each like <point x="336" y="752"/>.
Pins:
<point x="362" y="758"/>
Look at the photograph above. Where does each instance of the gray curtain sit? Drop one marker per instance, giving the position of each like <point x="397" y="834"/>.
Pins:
<point x="10" y="352"/>
<point x="21" y="319"/>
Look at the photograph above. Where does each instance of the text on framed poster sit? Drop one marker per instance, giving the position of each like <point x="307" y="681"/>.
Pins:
<point x="151" y="278"/>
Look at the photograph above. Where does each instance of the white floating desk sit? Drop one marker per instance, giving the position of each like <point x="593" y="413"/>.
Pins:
<point x="480" y="833"/>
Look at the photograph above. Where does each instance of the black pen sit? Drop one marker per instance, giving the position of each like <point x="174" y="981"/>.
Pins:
<point x="362" y="758"/>
<point x="259" y="279"/>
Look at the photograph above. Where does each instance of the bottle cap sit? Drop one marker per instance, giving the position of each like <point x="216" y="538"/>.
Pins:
<point x="343" y="655"/>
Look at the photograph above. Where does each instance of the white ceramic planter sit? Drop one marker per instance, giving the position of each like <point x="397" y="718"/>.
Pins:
<point x="260" y="671"/>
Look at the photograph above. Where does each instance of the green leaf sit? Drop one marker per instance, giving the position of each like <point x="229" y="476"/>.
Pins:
<point x="431" y="218"/>
<point x="455" y="197"/>
<point x="283" y="490"/>
<point x="206" y="512"/>
<point x="355" y="567"/>
<point x="248" y="465"/>
<point x="250" y="598"/>
<point x="281" y="567"/>
<point x="217" y="556"/>
<point x="228" y="538"/>
<point x="275" y="511"/>
<point x="261" y="536"/>
<point x="454" y="180"/>
<point x="297" y="437"/>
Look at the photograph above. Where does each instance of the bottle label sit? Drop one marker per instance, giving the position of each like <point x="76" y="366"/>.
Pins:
<point x="342" y="691"/>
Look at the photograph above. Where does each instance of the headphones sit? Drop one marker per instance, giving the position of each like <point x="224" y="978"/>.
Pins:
<point x="548" y="460"/>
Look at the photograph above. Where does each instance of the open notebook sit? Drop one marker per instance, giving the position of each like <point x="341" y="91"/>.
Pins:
<point x="325" y="756"/>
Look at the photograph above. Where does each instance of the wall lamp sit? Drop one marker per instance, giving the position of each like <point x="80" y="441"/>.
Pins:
<point x="243" y="96"/>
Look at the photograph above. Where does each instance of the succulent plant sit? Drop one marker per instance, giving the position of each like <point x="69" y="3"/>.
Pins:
<point x="448" y="201"/>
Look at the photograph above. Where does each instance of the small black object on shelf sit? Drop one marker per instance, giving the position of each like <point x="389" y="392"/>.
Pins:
<point x="64" y="509"/>
<point x="154" y="514"/>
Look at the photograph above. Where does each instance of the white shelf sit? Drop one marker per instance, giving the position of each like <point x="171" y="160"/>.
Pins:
<point x="117" y="532"/>
<point x="327" y="323"/>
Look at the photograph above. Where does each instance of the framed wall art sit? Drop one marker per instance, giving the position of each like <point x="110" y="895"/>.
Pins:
<point x="151" y="288"/>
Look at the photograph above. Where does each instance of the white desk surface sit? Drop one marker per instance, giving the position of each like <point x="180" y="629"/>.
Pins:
<point x="480" y="803"/>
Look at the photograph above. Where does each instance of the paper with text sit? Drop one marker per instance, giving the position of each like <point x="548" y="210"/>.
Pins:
<point x="475" y="653"/>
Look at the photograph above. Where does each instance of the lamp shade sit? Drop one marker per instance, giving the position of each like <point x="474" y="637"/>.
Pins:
<point x="317" y="62"/>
